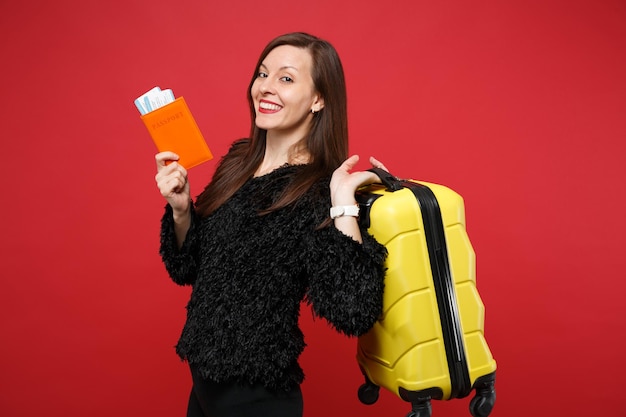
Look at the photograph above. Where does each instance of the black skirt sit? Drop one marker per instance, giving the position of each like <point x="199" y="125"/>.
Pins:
<point x="210" y="399"/>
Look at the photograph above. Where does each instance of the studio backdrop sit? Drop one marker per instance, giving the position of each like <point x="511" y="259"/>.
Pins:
<point x="519" y="106"/>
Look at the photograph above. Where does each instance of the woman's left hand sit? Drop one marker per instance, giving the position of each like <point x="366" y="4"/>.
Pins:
<point x="344" y="183"/>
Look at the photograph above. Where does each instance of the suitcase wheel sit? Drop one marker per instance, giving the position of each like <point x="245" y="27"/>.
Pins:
<point x="421" y="409"/>
<point x="368" y="393"/>
<point x="485" y="398"/>
<point x="481" y="406"/>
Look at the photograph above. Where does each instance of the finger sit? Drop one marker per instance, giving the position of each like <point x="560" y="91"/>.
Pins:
<point x="164" y="172"/>
<point x="377" y="164"/>
<point x="350" y="163"/>
<point x="166" y="175"/>
<point x="163" y="157"/>
<point x="170" y="169"/>
<point x="177" y="184"/>
<point x="173" y="185"/>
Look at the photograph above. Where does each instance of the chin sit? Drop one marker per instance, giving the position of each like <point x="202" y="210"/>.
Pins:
<point x="263" y="124"/>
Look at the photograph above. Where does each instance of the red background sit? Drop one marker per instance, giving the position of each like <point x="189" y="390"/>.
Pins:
<point x="518" y="105"/>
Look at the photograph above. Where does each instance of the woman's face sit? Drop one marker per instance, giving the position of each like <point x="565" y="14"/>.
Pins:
<point x="283" y="92"/>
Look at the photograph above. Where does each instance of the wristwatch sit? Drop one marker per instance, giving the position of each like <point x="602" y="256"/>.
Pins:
<point x="339" y="211"/>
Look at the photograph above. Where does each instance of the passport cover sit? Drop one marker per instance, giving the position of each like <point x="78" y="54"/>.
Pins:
<point x="173" y="128"/>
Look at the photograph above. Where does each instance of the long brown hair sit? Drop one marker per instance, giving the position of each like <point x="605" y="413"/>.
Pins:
<point x="326" y="143"/>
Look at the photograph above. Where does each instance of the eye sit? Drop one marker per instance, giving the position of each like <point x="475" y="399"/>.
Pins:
<point x="286" y="79"/>
<point x="261" y="74"/>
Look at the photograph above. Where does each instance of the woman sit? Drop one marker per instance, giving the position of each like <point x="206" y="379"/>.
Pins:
<point x="259" y="239"/>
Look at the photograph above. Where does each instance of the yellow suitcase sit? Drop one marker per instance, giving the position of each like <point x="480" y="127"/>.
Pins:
<point x="429" y="342"/>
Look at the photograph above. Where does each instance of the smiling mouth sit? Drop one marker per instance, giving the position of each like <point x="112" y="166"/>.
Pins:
<point x="266" y="107"/>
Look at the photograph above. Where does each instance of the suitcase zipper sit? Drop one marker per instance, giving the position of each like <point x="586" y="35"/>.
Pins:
<point x="444" y="289"/>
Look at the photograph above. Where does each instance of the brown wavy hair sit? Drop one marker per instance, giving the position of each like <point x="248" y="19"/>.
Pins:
<point x="326" y="142"/>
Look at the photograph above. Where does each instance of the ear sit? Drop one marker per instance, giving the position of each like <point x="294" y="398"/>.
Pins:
<point x="318" y="104"/>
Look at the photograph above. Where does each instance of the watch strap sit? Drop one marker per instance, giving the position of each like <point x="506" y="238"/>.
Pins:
<point x="338" y="211"/>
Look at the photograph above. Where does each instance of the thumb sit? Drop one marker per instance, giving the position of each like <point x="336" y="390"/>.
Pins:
<point x="163" y="158"/>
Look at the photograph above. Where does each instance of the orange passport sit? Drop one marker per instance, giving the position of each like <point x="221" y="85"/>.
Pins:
<point x="174" y="129"/>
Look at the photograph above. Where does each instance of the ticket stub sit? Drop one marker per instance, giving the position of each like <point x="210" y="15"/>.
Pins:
<point x="153" y="99"/>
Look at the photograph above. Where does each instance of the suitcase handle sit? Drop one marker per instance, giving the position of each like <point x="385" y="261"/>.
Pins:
<point x="392" y="183"/>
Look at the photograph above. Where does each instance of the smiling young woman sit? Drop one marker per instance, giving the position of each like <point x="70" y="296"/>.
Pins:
<point x="260" y="239"/>
<point x="285" y="98"/>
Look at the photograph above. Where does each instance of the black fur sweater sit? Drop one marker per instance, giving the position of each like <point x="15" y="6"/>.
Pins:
<point x="250" y="273"/>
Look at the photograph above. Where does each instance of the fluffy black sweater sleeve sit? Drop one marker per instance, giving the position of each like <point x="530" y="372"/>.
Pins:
<point x="180" y="263"/>
<point x="345" y="279"/>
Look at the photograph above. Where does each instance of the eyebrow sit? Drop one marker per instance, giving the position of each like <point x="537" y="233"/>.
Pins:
<point x="281" y="68"/>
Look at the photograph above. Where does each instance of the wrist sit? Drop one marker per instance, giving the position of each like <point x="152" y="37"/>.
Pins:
<point x="181" y="215"/>
<point x="349" y="210"/>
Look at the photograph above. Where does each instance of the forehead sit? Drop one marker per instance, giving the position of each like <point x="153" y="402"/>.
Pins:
<point x="287" y="56"/>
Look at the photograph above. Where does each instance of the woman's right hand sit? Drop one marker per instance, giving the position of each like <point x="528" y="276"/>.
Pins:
<point x="171" y="178"/>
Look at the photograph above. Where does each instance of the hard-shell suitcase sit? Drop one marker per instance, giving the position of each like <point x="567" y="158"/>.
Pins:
<point x="429" y="342"/>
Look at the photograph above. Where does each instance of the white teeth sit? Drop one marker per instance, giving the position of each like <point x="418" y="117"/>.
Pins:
<point x="269" y="106"/>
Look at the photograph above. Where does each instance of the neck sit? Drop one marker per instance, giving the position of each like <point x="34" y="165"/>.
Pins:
<point x="280" y="151"/>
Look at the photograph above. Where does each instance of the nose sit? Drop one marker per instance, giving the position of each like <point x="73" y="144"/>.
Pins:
<point x="265" y="85"/>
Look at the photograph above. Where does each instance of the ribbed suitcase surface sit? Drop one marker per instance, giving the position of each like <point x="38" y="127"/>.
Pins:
<point x="429" y="343"/>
